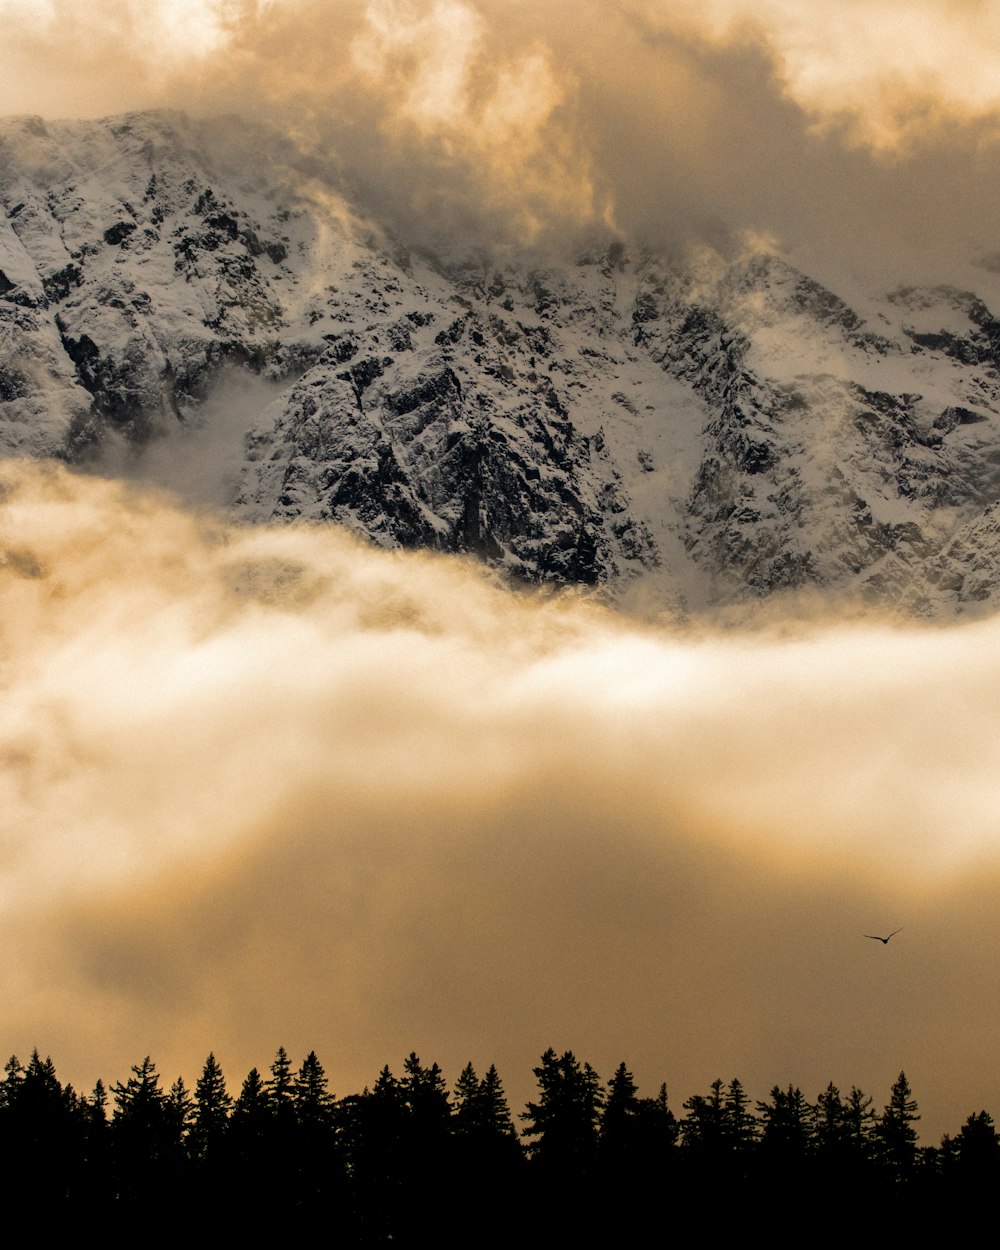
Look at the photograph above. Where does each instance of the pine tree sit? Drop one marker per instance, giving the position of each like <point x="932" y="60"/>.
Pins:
<point x="428" y="1144"/>
<point x="373" y="1128"/>
<point x="310" y="1095"/>
<point x="739" y="1121"/>
<point x="896" y="1136"/>
<point x="320" y="1168"/>
<point x="704" y="1127"/>
<point x="41" y="1132"/>
<point x="144" y="1136"/>
<point x="859" y="1123"/>
<point x="95" y="1147"/>
<point x="635" y="1157"/>
<point x="181" y="1107"/>
<point x="252" y="1105"/>
<point x="212" y="1106"/>
<point x="249" y="1131"/>
<point x="481" y="1111"/>
<point x="566" y="1117"/>
<point x="140" y="1103"/>
<point x="425" y="1094"/>
<point x="977" y="1149"/>
<point x="280" y="1086"/>
<point x="487" y="1159"/>
<point x="787" y="1126"/>
<point x="99" y="1102"/>
<point x="621" y="1107"/>
<point x="467" y="1111"/>
<point x="660" y="1129"/>
<point x="9" y="1086"/>
<point x="829" y="1128"/>
<point x="494" y="1111"/>
<point x="719" y="1132"/>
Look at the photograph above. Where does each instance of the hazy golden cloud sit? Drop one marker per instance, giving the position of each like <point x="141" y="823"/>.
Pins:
<point x="270" y="786"/>
<point x="866" y="128"/>
<point x="886" y="65"/>
<point x="892" y="71"/>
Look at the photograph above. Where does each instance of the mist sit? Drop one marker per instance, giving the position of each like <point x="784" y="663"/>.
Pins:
<point x="198" y="459"/>
<point x="272" y="787"/>
<point x="862" y="136"/>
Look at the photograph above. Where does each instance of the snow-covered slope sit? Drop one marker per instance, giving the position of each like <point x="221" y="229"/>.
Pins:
<point x="704" y="429"/>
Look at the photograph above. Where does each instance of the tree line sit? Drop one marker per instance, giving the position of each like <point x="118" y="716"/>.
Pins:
<point x="410" y="1159"/>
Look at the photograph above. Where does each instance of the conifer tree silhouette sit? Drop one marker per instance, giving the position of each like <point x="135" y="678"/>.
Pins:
<point x="145" y="1137"/>
<point x="212" y="1105"/>
<point x="319" y="1166"/>
<point x="566" y="1117"/>
<point x="249" y="1144"/>
<point x="977" y="1151"/>
<point x="895" y="1134"/>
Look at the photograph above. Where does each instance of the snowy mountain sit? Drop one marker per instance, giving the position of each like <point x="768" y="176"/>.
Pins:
<point x="693" y="429"/>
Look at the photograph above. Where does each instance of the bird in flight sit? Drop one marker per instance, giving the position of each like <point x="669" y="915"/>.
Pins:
<point x="884" y="940"/>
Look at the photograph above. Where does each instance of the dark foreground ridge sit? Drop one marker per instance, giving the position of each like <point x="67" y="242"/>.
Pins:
<point x="409" y="1162"/>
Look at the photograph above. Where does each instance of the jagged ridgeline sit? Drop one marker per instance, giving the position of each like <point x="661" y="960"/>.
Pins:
<point x="408" y="1159"/>
<point x="716" y="427"/>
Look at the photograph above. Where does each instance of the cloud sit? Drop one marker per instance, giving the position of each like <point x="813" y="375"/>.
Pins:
<point x="270" y="787"/>
<point x="891" y="73"/>
<point x="868" y="132"/>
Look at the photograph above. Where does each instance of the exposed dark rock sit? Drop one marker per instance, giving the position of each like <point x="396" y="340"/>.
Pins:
<point x="118" y="233"/>
<point x="58" y="285"/>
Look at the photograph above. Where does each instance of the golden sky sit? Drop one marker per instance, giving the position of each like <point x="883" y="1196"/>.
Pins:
<point x="271" y="788"/>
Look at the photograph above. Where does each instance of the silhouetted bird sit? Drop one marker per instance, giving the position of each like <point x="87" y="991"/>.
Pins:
<point x="884" y="940"/>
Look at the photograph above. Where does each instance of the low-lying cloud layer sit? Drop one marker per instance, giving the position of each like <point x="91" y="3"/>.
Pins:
<point x="865" y="130"/>
<point x="270" y="786"/>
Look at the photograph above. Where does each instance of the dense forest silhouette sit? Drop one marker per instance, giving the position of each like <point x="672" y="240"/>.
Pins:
<point x="408" y="1160"/>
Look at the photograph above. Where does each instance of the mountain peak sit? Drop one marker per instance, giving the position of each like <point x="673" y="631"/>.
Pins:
<point x="716" y="427"/>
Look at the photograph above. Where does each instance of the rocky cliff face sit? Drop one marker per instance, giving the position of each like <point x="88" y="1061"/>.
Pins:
<point x="713" y="429"/>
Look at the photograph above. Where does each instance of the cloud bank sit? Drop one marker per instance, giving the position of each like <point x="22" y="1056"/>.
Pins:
<point x="269" y="786"/>
<point x="865" y="130"/>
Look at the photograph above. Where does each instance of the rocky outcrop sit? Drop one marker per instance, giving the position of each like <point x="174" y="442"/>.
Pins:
<point x="721" y="428"/>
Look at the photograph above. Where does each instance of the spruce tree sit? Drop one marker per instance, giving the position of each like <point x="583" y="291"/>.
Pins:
<point x="829" y="1127"/>
<point x="621" y="1106"/>
<point x="374" y="1128"/>
<point x="494" y="1111"/>
<point x="11" y="1083"/>
<point x="740" y="1124"/>
<point x="860" y="1123"/>
<point x="181" y="1107"/>
<point x="42" y="1128"/>
<point x="280" y="1086"/>
<point x="566" y="1116"/>
<point x="787" y="1126"/>
<point x="704" y="1127"/>
<point x="977" y="1149"/>
<point x="310" y="1095"/>
<point x="212" y="1105"/>
<point x="144" y="1136"/>
<point x="320" y="1169"/>
<point x="249" y="1133"/>
<point x="487" y="1160"/>
<point x="467" y="1110"/>
<point x="895" y="1134"/>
